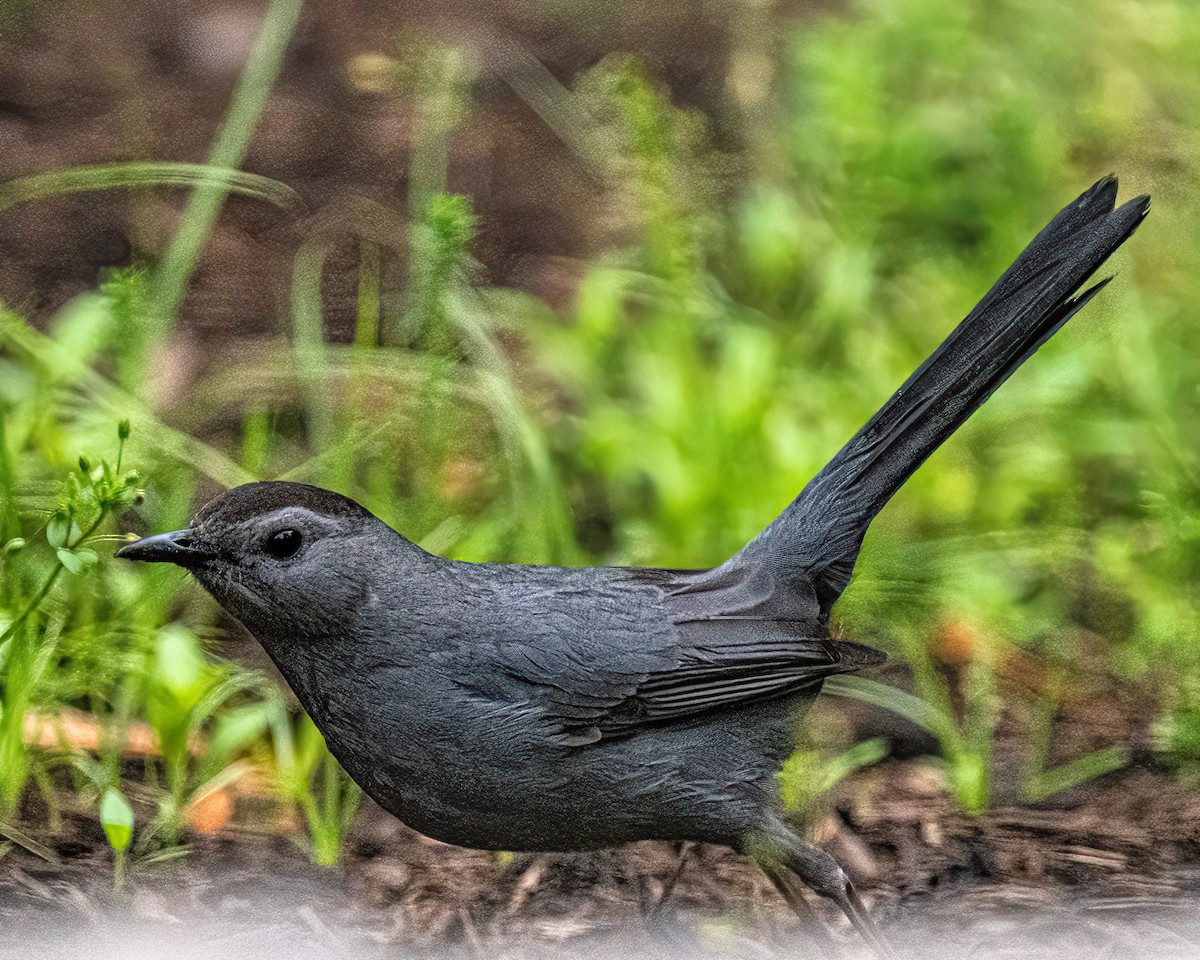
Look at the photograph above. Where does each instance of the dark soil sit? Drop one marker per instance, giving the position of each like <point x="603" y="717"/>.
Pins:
<point x="1117" y="867"/>
<point x="89" y="83"/>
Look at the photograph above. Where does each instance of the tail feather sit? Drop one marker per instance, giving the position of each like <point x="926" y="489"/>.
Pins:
<point x="819" y="535"/>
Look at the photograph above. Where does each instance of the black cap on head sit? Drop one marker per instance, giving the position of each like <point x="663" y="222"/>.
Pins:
<point x="255" y="499"/>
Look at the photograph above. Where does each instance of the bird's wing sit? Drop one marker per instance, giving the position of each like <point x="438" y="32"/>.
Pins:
<point x="725" y="661"/>
<point x="605" y="658"/>
<point x="739" y="636"/>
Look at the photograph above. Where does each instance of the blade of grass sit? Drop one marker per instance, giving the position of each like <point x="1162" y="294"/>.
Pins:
<point x="308" y="339"/>
<point x="556" y="106"/>
<point x="39" y="850"/>
<point x="366" y="333"/>
<point x="47" y="353"/>
<point x="1046" y="783"/>
<point x="257" y="80"/>
<point x="912" y="708"/>
<point x="146" y="174"/>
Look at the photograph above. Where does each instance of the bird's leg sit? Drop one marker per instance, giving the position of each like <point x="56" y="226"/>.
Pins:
<point x="777" y="846"/>
<point x="814" y="926"/>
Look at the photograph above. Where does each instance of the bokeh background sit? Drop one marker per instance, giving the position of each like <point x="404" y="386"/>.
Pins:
<point x="547" y="283"/>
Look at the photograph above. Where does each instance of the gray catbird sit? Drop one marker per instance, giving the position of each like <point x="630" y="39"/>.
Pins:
<point x="545" y="708"/>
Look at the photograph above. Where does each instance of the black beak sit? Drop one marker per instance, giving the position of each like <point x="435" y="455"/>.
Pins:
<point x="178" y="547"/>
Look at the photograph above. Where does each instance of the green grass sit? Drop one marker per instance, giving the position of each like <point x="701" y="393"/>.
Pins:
<point x="767" y="298"/>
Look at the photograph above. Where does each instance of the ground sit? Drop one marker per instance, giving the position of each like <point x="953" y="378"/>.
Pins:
<point x="1113" y="866"/>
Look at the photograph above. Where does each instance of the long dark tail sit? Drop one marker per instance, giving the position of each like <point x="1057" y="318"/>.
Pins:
<point x="819" y="535"/>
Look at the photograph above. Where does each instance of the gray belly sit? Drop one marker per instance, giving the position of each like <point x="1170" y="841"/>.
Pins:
<point x="706" y="780"/>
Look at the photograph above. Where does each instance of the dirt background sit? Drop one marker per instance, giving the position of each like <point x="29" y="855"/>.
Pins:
<point x="102" y="82"/>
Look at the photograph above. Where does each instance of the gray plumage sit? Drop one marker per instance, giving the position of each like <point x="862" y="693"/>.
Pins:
<point x="543" y="708"/>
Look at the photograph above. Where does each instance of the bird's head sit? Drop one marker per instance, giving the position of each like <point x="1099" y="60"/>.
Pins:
<point x="288" y="560"/>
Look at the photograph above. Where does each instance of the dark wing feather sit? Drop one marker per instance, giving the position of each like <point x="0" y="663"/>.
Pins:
<point x="727" y="661"/>
<point x="602" y="652"/>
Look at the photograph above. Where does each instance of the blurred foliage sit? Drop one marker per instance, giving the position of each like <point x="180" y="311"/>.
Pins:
<point x="809" y="774"/>
<point x="887" y="164"/>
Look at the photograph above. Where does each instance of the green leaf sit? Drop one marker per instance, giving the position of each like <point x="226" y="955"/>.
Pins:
<point x="179" y="665"/>
<point x="862" y="754"/>
<point x="70" y="560"/>
<point x="87" y="556"/>
<point x="925" y="715"/>
<point x="1074" y="772"/>
<point x="116" y="817"/>
<point x="58" y="528"/>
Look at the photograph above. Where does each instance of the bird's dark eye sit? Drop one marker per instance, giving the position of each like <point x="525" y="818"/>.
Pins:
<point x="283" y="544"/>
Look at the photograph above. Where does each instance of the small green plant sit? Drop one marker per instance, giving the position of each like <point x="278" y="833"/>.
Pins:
<point x="28" y="646"/>
<point x="309" y="776"/>
<point x="1041" y="779"/>
<point x="116" y="817"/>
<point x="965" y="743"/>
<point x="183" y="693"/>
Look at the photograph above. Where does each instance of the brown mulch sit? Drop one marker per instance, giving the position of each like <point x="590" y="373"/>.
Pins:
<point x="1129" y="841"/>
